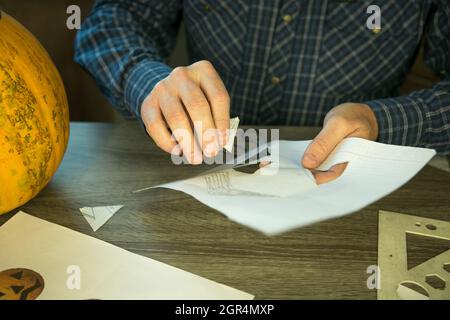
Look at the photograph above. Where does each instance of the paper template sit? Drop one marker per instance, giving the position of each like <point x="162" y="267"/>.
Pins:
<point x="98" y="216"/>
<point x="42" y="260"/>
<point x="427" y="280"/>
<point x="284" y="196"/>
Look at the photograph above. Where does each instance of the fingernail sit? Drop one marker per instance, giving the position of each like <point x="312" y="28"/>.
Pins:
<point x="176" y="150"/>
<point x="309" y="161"/>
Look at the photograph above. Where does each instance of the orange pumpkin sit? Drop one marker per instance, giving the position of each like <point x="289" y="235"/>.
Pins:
<point x="34" y="117"/>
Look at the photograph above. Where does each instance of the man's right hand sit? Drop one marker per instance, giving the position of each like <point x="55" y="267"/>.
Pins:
<point x="191" y="101"/>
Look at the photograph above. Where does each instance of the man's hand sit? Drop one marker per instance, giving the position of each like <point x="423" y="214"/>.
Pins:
<point x="343" y="121"/>
<point x="193" y="104"/>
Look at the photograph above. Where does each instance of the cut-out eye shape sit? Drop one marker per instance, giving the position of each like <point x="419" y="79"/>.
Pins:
<point x="435" y="281"/>
<point x="2" y="294"/>
<point x="17" y="275"/>
<point x="431" y="227"/>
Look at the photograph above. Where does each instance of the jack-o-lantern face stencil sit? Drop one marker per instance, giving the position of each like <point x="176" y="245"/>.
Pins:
<point x="20" y="284"/>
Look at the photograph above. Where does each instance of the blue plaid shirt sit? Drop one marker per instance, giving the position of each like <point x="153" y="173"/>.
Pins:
<point x="284" y="62"/>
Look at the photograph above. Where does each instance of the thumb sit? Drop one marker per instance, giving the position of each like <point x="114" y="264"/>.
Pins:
<point x="324" y="143"/>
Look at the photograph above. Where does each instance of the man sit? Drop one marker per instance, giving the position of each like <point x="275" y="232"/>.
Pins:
<point x="275" y="62"/>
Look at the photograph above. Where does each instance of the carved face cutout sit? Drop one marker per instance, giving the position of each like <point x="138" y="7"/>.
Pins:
<point x="20" y="284"/>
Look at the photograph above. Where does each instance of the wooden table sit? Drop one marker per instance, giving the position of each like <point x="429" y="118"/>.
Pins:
<point x="106" y="162"/>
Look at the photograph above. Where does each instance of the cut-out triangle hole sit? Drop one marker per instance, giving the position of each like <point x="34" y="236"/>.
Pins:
<point x="17" y="275"/>
<point x="422" y="248"/>
<point x="17" y="289"/>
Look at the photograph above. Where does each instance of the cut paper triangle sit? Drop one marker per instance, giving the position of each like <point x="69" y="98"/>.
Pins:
<point x="98" y="216"/>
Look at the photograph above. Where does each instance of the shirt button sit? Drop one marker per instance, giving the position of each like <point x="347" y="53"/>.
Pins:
<point x="287" y="18"/>
<point x="275" y="80"/>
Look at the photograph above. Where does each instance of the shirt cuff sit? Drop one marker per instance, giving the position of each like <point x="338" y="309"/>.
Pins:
<point x="401" y="120"/>
<point x="140" y="82"/>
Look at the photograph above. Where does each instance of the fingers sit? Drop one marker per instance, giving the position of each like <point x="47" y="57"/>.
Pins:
<point x="333" y="173"/>
<point x="199" y="111"/>
<point x="180" y="125"/>
<point x="157" y="129"/>
<point x="332" y="133"/>
<point x="218" y="99"/>
<point x="345" y="120"/>
<point x="192" y="103"/>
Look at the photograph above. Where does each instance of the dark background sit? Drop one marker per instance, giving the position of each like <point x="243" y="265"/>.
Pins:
<point x="46" y="19"/>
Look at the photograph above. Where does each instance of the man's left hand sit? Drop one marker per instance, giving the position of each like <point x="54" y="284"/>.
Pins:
<point x="345" y="120"/>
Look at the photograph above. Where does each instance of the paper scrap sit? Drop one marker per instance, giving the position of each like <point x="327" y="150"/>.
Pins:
<point x="64" y="264"/>
<point x="289" y="198"/>
<point x="98" y="216"/>
<point x="234" y="124"/>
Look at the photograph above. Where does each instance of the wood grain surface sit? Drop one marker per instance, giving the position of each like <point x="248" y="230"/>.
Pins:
<point x="328" y="260"/>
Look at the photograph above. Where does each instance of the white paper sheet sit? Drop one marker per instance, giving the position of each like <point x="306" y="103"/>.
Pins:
<point x="290" y="198"/>
<point x="106" y="271"/>
<point x="98" y="216"/>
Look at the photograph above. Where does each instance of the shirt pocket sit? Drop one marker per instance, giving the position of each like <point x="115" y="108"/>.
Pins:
<point x="356" y="60"/>
<point x="216" y="31"/>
